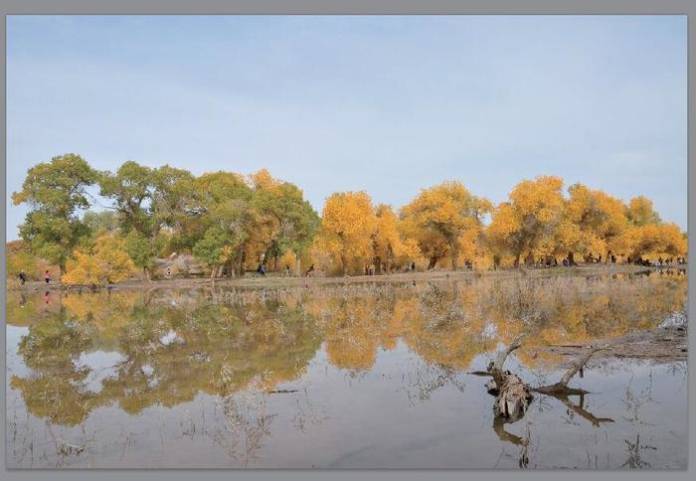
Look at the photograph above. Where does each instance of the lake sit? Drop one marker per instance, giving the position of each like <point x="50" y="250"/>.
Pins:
<point x="355" y="375"/>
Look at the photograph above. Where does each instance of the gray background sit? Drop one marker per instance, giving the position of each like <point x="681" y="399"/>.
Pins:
<point x="357" y="7"/>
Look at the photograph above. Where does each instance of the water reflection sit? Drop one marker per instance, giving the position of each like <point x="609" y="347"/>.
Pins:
<point x="164" y="348"/>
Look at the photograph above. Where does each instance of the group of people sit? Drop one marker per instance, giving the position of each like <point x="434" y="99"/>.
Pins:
<point x="660" y="261"/>
<point x="23" y="277"/>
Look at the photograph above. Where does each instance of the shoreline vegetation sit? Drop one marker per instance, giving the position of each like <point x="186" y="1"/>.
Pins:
<point x="279" y="281"/>
<point x="166" y="223"/>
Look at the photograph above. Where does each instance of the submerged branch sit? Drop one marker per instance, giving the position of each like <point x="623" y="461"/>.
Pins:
<point x="561" y="387"/>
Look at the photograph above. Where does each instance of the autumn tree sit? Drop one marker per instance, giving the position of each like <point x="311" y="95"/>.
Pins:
<point x="389" y="247"/>
<point x="56" y="191"/>
<point x="439" y="217"/>
<point x="593" y="222"/>
<point x="530" y="216"/>
<point x="107" y="262"/>
<point x="656" y="241"/>
<point x="347" y="227"/>
<point x="19" y="258"/>
<point x="640" y="211"/>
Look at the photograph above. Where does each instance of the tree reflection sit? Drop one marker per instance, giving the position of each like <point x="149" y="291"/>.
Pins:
<point x="178" y="343"/>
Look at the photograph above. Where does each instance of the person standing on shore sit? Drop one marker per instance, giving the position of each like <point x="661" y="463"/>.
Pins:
<point x="47" y="277"/>
<point x="22" y="277"/>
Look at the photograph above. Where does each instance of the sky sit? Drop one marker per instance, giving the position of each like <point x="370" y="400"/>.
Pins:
<point x="386" y="104"/>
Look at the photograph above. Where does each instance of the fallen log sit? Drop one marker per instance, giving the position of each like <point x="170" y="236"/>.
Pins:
<point x="513" y="395"/>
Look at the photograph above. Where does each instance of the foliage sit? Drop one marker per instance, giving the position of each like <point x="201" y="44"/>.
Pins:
<point x="104" y="221"/>
<point x="106" y="263"/>
<point x="142" y="250"/>
<point x="55" y="191"/>
<point x="443" y="220"/>
<point x="131" y="190"/>
<point x="347" y="229"/>
<point x="529" y="218"/>
<point x="234" y="222"/>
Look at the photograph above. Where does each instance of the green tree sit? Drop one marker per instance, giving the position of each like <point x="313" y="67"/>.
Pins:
<point x="225" y="207"/>
<point x="290" y="221"/>
<point x="175" y="205"/>
<point x="143" y="250"/>
<point x="56" y="192"/>
<point x="213" y="248"/>
<point x="104" y="221"/>
<point x="131" y="190"/>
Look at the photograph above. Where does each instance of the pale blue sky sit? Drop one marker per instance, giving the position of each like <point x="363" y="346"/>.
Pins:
<point x="384" y="104"/>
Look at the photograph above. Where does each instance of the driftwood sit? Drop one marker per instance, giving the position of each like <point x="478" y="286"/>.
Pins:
<point x="513" y="395"/>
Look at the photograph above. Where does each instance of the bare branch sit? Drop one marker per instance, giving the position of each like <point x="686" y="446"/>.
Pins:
<point x="502" y="355"/>
<point x="579" y="364"/>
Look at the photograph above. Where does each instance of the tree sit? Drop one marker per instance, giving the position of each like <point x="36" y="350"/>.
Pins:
<point x="104" y="221"/>
<point x="175" y="204"/>
<point x="388" y="245"/>
<point x="213" y="249"/>
<point x="530" y="216"/>
<point x="56" y="192"/>
<point x="106" y="263"/>
<point x="640" y="211"/>
<point x="656" y="240"/>
<point x="143" y="250"/>
<point x="225" y="205"/>
<point x="283" y="218"/>
<point x="20" y="259"/>
<point x="440" y="216"/>
<point x="593" y="222"/>
<point x="347" y="227"/>
<point x="131" y="190"/>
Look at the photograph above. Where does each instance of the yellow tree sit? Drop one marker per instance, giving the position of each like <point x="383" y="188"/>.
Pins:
<point x="655" y="241"/>
<point x="440" y="216"/>
<point x="388" y="245"/>
<point x="640" y="211"/>
<point x="529" y="218"/>
<point x="106" y="263"/>
<point x="348" y="225"/>
<point x="593" y="222"/>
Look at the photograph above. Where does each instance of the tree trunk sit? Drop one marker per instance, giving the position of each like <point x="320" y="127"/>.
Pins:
<point x="432" y="262"/>
<point x="242" y="258"/>
<point x="513" y="395"/>
<point x="454" y="254"/>
<point x="378" y="265"/>
<point x="343" y="264"/>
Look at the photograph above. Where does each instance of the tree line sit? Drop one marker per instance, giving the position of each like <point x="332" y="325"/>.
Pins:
<point x="234" y="223"/>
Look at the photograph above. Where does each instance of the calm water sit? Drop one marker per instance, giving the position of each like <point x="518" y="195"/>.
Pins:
<point x="341" y="376"/>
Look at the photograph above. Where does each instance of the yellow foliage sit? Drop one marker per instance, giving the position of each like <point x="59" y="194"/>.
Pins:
<point x="289" y="260"/>
<point x="652" y="241"/>
<point x="106" y="263"/>
<point x="347" y="228"/>
<point x="445" y="219"/>
<point x="530" y="218"/>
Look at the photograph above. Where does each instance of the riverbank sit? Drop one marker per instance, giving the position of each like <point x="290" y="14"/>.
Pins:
<point x="281" y="281"/>
<point x="661" y="345"/>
